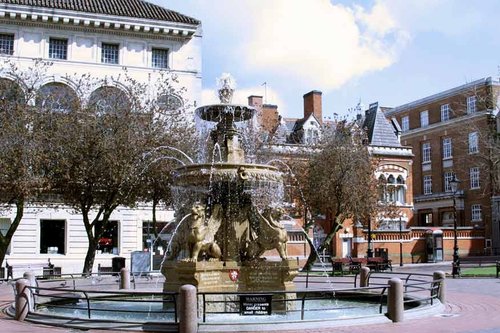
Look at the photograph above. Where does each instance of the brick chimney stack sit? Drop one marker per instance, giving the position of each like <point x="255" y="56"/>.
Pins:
<point x="313" y="105"/>
<point x="267" y="114"/>
<point x="255" y="101"/>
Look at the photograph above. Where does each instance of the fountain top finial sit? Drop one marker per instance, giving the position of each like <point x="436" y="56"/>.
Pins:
<point x="226" y="85"/>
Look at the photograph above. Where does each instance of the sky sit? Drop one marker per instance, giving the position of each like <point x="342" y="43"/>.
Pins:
<point x="387" y="51"/>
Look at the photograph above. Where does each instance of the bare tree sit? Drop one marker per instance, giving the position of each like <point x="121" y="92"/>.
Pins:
<point x="21" y="158"/>
<point x="341" y="183"/>
<point x="97" y="149"/>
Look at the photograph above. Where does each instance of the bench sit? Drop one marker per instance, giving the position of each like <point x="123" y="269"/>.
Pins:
<point x="105" y="270"/>
<point x="379" y="264"/>
<point x="480" y="261"/>
<point x="46" y="268"/>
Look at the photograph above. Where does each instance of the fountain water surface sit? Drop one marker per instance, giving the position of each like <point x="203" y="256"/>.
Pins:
<point x="234" y="214"/>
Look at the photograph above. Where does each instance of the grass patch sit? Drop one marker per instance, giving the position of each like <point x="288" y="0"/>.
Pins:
<point x="480" y="271"/>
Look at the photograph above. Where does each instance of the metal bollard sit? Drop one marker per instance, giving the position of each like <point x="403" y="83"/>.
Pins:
<point x="124" y="278"/>
<point x="439" y="275"/>
<point x="188" y="317"/>
<point x="24" y="302"/>
<point x="395" y="300"/>
<point x="363" y="277"/>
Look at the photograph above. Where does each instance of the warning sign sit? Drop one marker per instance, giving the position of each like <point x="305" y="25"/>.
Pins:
<point x="255" y="305"/>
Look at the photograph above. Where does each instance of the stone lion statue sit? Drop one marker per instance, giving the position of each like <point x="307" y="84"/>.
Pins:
<point x="269" y="234"/>
<point x="194" y="237"/>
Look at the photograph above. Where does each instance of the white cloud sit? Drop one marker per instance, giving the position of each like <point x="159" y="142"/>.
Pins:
<point x="321" y="44"/>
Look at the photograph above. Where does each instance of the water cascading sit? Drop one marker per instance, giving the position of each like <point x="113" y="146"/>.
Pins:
<point x="234" y="213"/>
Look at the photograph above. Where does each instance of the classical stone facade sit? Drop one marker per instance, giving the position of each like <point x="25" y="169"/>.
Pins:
<point x="101" y="38"/>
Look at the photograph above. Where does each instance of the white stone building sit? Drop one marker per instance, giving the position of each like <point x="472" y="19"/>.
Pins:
<point x="101" y="38"/>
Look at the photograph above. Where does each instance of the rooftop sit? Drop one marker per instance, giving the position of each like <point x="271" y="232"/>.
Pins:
<point x="125" y="8"/>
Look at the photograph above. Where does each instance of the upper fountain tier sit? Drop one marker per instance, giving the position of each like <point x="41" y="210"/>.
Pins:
<point x="225" y="112"/>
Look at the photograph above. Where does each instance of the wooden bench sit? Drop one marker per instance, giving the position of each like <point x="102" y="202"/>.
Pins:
<point x="340" y="265"/>
<point x="379" y="264"/>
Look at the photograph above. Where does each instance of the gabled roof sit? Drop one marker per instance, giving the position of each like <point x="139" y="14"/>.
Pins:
<point x="299" y="124"/>
<point x="380" y="130"/>
<point x="126" y="8"/>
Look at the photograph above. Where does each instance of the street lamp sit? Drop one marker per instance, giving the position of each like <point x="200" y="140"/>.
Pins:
<point x="400" y="243"/>
<point x="369" y="252"/>
<point x="456" y="260"/>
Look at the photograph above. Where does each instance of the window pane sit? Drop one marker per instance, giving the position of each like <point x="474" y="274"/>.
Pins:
<point x="52" y="236"/>
<point x="58" y="48"/>
<point x="6" y="44"/>
<point x="445" y="112"/>
<point x="108" y="241"/>
<point x="447" y="148"/>
<point x="471" y="104"/>
<point x="57" y="97"/>
<point x="108" y="100"/>
<point x="405" y="123"/>
<point x="473" y="142"/>
<point x="426" y="152"/>
<point x="474" y="178"/>
<point x="427" y="184"/>
<point x="159" y="58"/>
<point x="424" y="118"/>
<point x="109" y="53"/>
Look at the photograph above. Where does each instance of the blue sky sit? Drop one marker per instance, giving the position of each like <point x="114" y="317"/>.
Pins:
<point x="390" y="51"/>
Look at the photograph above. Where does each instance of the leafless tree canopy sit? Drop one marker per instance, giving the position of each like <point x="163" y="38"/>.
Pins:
<point x="87" y="146"/>
<point x="341" y="183"/>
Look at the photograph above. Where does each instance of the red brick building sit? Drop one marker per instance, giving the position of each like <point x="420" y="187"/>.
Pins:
<point x="451" y="133"/>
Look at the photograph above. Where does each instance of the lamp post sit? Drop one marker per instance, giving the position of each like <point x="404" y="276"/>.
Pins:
<point x="456" y="260"/>
<point x="369" y="252"/>
<point x="400" y="243"/>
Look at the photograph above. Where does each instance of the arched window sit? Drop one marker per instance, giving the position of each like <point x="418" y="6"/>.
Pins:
<point x="170" y="102"/>
<point x="107" y="100"/>
<point x="10" y="93"/>
<point x="392" y="189"/>
<point x="57" y="97"/>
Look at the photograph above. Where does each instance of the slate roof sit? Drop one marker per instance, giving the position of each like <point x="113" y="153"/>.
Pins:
<point x="125" y="8"/>
<point x="381" y="132"/>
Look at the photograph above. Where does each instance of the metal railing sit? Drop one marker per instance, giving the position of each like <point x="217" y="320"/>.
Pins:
<point x="83" y="297"/>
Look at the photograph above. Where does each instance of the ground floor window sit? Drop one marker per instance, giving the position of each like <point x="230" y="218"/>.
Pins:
<point x="53" y="236"/>
<point x="109" y="240"/>
<point x="153" y="243"/>
<point x="425" y="218"/>
<point x="4" y="228"/>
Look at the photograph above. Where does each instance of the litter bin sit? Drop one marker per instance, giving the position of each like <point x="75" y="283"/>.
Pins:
<point x="117" y="263"/>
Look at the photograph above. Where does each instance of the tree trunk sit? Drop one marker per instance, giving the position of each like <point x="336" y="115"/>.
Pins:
<point x="6" y="239"/>
<point x="314" y="255"/>
<point x="90" y="257"/>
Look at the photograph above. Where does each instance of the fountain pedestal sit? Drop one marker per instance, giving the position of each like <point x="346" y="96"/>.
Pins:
<point x="208" y="276"/>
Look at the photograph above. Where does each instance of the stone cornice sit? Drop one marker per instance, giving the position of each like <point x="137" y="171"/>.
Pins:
<point x="442" y="95"/>
<point x="72" y="19"/>
<point x="391" y="151"/>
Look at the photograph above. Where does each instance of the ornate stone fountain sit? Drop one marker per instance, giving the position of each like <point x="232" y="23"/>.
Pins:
<point x="228" y="216"/>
